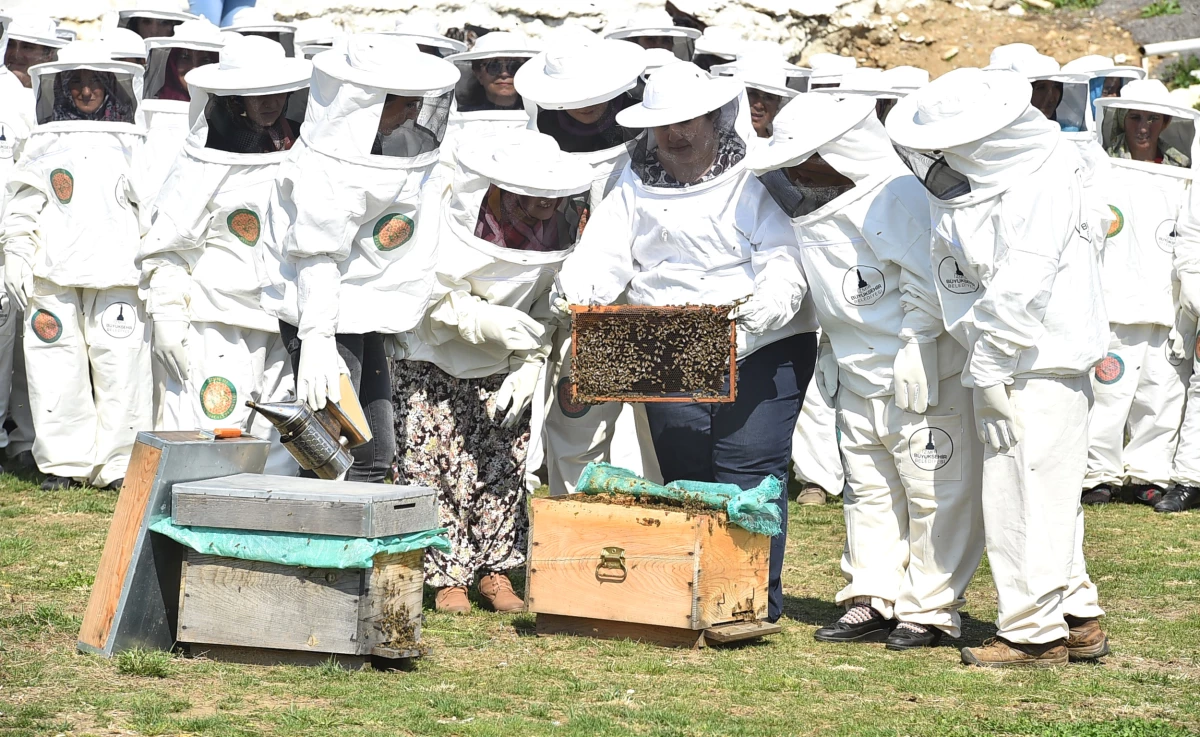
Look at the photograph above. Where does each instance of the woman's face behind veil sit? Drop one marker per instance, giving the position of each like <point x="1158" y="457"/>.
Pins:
<point x="1142" y="130"/>
<point x="88" y="90"/>
<point x="589" y="115"/>
<point x="398" y="110"/>
<point x="687" y="150"/>
<point x="264" y="110"/>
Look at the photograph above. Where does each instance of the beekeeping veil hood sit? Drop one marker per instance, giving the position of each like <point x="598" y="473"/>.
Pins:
<point x="255" y="21"/>
<point x="169" y="58"/>
<point x="498" y="55"/>
<point x="168" y="10"/>
<point x="124" y="44"/>
<point x="37" y="30"/>
<point x="422" y="29"/>
<point x="121" y="81"/>
<point x="658" y="24"/>
<point x="972" y="134"/>
<point x="847" y="137"/>
<point x="1176" y="148"/>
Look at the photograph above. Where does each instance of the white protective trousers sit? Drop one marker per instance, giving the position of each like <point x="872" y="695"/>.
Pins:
<point x="89" y="353"/>
<point x="1138" y="387"/>
<point x="1033" y="519"/>
<point x="228" y="365"/>
<point x="578" y="434"/>
<point x="912" y="505"/>
<point x="816" y="457"/>
<point x="1186" y="467"/>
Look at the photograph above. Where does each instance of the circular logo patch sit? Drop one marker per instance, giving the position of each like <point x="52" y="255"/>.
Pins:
<point x="5" y="308"/>
<point x="1110" y="369"/>
<point x="244" y="225"/>
<point x="119" y="319"/>
<point x="46" y="326"/>
<point x="218" y="397"/>
<point x="566" y="400"/>
<point x="120" y="193"/>
<point x="930" y="448"/>
<point x="953" y="278"/>
<point x="63" y="184"/>
<point x="863" y="285"/>
<point x="1166" y="235"/>
<point x="393" y="231"/>
<point x="1118" y="223"/>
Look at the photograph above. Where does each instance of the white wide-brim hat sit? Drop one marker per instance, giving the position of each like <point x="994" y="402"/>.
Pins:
<point x="123" y="16"/>
<point x="767" y="77"/>
<point x="92" y="55"/>
<point x="862" y="81"/>
<point x="124" y="43"/>
<point x="1095" y="65"/>
<point x="906" y="79"/>
<point x="40" y="31"/>
<point x="498" y="45"/>
<point x="568" y="77"/>
<point x="317" y="31"/>
<point x="199" y="34"/>
<point x="804" y="125"/>
<point x="961" y="106"/>
<point x="387" y="62"/>
<point x="1150" y="95"/>
<point x="252" y="62"/>
<point x="528" y="163"/>
<point x="678" y="92"/>
<point x="423" y="30"/>
<point x="663" y="30"/>
<point x="828" y="68"/>
<point x="721" y="41"/>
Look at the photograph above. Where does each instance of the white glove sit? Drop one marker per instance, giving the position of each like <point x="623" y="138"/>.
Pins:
<point x="914" y="377"/>
<point x="508" y="327"/>
<point x="759" y="314"/>
<point x="170" y="347"/>
<point x="1189" y="293"/>
<point x="827" y="368"/>
<point x="18" y="280"/>
<point x="995" y="421"/>
<point x="516" y="393"/>
<point x="1177" y="345"/>
<point x="319" y="379"/>
<point x="560" y="307"/>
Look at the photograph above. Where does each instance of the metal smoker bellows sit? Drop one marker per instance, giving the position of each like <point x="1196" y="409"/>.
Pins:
<point x="319" y="441"/>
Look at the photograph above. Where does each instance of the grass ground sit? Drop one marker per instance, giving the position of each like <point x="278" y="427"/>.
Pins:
<point x="487" y="674"/>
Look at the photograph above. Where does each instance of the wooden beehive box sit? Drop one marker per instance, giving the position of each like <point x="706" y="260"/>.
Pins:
<point x="671" y="576"/>
<point x="243" y="607"/>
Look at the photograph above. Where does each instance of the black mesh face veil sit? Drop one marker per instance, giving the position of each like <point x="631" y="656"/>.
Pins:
<point x="531" y="223"/>
<point x="942" y="182"/>
<point x="798" y="199"/>
<point x="411" y="126"/>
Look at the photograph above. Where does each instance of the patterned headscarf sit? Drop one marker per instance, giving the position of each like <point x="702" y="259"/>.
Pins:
<point x="116" y="108"/>
<point x="504" y="222"/>
<point x="230" y="129"/>
<point x="1169" y="155"/>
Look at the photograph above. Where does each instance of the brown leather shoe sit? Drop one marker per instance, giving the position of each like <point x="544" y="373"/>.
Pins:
<point x="1086" y="641"/>
<point x="497" y="591"/>
<point x="811" y="496"/>
<point x="998" y="652"/>
<point x="453" y="600"/>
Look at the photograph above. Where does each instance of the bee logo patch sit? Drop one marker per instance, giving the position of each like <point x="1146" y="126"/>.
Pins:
<point x="245" y="226"/>
<point x="1118" y="223"/>
<point x="393" y="231"/>
<point x="1110" y="369"/>
<point x="218" y="397"/>
<point x="46" y="326"/>
<point x="63" y="184"/>
<point x="566" y="400"/>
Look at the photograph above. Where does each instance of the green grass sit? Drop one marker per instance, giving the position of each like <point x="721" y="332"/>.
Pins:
<point x="487" y="675"/>
<point x="1161" y="7"/>
<point x="1076" y="4"/>
<point x="1179" y="74"/>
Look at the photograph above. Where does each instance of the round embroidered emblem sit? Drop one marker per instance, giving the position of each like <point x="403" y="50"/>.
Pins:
<point x="63" y="184"/>
<point x="930" y="448"/>
<point x="46" y="326"/>
<point x="1110" y="369"/>
<point x="566" y="400"/>
<point x="393" y="231"/>
<point x="245" y="226"/>
<point x="1118" y="224"/>
<point x="218" y="397"/>
<point x="119" y="320"/>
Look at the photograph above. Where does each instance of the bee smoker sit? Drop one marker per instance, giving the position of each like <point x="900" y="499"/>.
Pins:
<point x="319" y="441"/>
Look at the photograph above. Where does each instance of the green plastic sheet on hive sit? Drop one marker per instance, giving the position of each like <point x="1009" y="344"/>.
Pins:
<point x="296" y="548"/>
<point x="756" y="510"/>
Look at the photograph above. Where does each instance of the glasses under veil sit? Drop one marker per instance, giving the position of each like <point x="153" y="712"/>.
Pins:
<point x="529" y="222"/>
<point x="931" y="168"/>
<point x="487" y="84"/>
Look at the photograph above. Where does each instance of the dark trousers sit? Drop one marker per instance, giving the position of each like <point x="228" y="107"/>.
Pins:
<point x="746" y="440"/>
<point x="365" y="357"/>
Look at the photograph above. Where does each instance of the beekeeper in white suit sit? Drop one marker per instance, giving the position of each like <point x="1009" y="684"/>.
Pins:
<point x="912" y="502"/>
<point x="1008" y="214"/>
<point x="688" y="224"/>
<point x="486" y="97"/>
<point x="356" y="223"/>
<point x="198" y="262"/>
<point x="573" y="92"/>
<point x="1141" y="384"/>
<point x="70" y="230"/>
<point x="514" y="211"/>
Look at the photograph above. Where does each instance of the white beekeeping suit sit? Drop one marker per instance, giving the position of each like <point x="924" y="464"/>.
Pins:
<point x="656" y="29"/>
<point x="1141" y="384"/>
<point x="912" y="505"/>
<point x="165" y="99"/>
<point x="71" y="228"/>
<point x="200" y="281"/>
<point x="251" y="20"/>
<point x="1009" y="216"/>
<point x="356" y="219"/>
<point x="486" y="99"/>
<point x="596" y="78"/>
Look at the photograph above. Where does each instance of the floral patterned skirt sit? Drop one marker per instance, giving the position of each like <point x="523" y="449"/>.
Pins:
<point x="446" y="441"/>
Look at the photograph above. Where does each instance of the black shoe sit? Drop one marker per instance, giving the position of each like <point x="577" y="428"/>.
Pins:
<point x="116" y="485"/>
<point x="1102" y="494"/>
<point x="907" y="637"/>
<point x="846" y="629"/>
<point x="1148" y="495"/>
<point x="58" y="483"/>
<point x="1179" y="499"/>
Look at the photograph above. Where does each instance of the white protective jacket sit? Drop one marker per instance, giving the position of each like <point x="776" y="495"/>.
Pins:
<point x="367" y="222"/>
<point x="16" y="120"/>
<point x="711" y="243"/>
<point x="877" y="235"/>
<point x="1022" y="235"/>
<point x="75" y="209"/>
<point x="199" y="261"/>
